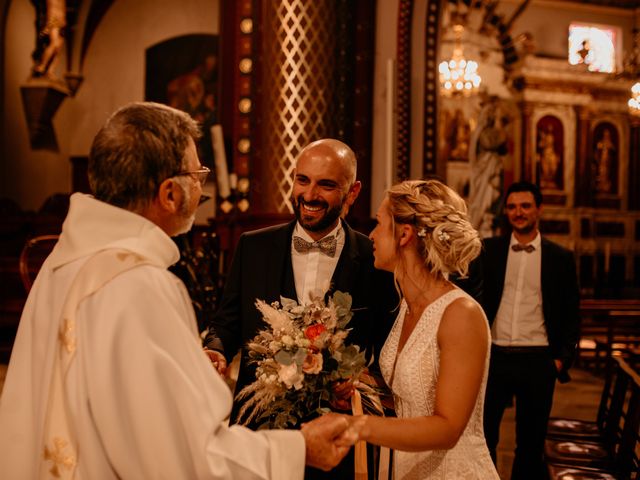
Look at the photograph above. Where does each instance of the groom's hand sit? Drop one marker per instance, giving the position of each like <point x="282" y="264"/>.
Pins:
<point x="320" y="437"/>
<point x="342" y="393"/>
<point x="217" y="360"/>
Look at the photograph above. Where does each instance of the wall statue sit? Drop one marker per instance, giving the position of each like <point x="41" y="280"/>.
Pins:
<point x="487" y="151"/>
<point x="549" y="153"/>
<point x="606" y="159"/>
<point x="50" y="26"/>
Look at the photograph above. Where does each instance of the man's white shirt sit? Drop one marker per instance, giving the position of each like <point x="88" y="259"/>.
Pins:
<point x="313" y="270"/>
<point x="520" y="321"/>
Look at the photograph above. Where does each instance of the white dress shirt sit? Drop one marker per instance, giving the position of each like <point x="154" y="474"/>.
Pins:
<point x="313" y="270"/>
<point x="520" y="321"/>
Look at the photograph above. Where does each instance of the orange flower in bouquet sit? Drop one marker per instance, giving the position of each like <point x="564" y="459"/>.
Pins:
<point x="299" y="359"/>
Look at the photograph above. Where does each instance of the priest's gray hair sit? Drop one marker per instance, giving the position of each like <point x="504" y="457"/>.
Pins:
<point x="141" y="145"/>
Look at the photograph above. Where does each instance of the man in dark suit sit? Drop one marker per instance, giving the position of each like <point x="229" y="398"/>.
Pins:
<point x="317" y="251"/>
<point x="530" y="295"/>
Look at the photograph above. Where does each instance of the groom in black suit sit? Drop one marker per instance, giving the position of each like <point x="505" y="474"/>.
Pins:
<point x="316" y="251"/>
<point x="530" y="296"/>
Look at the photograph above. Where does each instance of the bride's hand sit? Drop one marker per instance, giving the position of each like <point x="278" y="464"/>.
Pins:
<point x="355" y="432"/>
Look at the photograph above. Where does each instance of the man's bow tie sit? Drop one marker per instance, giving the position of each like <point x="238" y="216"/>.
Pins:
<point x="326" y="245"/>
<point x="518" y="247"/>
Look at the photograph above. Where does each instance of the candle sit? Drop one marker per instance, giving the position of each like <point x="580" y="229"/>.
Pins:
<point x="388" y="173"/>
<point x="220" y="161"/>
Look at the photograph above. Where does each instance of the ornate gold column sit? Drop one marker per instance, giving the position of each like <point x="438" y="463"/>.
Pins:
<point x="296" y="90"/>
<point x="583" y="193"/>
<point x="634" y="164"/>
<point x="526" y="167"/>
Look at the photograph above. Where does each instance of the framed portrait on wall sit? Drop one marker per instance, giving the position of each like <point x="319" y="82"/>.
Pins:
<point x="182" y="72"/>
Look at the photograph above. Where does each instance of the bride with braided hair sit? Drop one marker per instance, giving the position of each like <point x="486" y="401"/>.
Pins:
<point x="436" y="356"/>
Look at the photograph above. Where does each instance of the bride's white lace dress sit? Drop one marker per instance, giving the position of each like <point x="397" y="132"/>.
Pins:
<point x="414" y="388"/>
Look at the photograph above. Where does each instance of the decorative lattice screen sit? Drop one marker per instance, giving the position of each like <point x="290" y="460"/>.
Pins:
<point x="298" y="76"/>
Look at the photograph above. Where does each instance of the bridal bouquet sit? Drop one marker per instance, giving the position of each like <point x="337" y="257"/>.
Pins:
<point x="299" y="359"/>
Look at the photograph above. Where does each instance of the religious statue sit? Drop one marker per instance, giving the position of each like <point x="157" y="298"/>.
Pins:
<point x="548" y="159"/>
<point x="488" y="147"/>
<point x="584" y="51"/>
<point x="605" y="158"/>
<point x="50" y="25"/>
<point x="459" y="135"/>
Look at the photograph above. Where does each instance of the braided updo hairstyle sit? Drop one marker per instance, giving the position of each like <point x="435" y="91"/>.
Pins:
<point x="446" y="239"/>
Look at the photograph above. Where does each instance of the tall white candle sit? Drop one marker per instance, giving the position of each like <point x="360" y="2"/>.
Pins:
<point x="220" y="161"/>
<point x="390" y="131"/>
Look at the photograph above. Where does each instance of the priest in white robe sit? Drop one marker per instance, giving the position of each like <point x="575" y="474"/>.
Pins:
<point x="108" y="378"/>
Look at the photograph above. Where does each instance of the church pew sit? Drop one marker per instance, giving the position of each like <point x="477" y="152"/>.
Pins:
<point x="595" y="327"/>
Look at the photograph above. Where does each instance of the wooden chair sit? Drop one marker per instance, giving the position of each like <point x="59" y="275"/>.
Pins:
<point x="609" y="410"/>
<point x="33" y="254"/>
<point x="625" y="464"/>
<point x="623" y="337"/>
<point x="595" y="327"/>
<point x="612" y="458"/>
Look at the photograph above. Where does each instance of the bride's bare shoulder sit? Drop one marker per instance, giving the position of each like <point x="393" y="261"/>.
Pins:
<point x="463" y="316"/>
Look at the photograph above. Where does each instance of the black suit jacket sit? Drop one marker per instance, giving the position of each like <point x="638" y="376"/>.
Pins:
<point x="560" y="293"/>
<point x="262" y="269"/>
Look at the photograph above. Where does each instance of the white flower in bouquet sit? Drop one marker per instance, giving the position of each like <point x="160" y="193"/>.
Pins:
<point x="299" y="359"/>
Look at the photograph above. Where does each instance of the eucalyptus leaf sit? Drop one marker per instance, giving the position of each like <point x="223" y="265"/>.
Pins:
<point x="299" y="356"/>
<point x="284" y="358"/>
<point x="342" y="301"/>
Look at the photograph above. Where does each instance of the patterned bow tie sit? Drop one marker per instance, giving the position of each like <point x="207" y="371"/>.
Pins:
<point x="518" y="247"/>
<point x="326" y="245"/>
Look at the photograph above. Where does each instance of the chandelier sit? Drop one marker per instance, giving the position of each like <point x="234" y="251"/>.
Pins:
<point x="459" y="75"/>
<point x="632" y="70"/>
<point x="634" y="101"/>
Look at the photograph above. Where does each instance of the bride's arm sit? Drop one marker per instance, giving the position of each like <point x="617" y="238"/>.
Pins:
<point x="462" y="339"/>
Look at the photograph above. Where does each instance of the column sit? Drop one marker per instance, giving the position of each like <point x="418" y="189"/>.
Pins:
<point x="526" y="166"/>
<point x="634" y="164"/>
<point x="583" y="191"/>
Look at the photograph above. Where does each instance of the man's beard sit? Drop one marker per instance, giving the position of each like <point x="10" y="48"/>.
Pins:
<point x="324" y="222"/>
<point x="186" y="219"/>
<point x="186" y="224"/>
<point x="528" y="228"/>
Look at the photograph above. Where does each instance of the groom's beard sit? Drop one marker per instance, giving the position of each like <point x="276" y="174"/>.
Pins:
<point x="324" y="222"/>
<point x="526" y="228"/>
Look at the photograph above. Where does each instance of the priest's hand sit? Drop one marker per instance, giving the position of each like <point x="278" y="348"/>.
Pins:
<point x="358" y="430"/>
<point x="217" y="360"/>
<point x="321" y="436"/>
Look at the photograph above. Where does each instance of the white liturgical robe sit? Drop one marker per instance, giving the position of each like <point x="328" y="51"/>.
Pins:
<point x="143" y="399"/>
